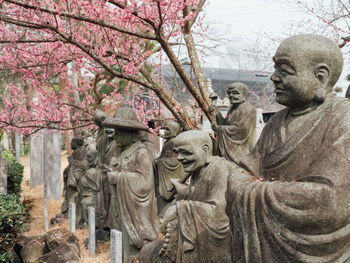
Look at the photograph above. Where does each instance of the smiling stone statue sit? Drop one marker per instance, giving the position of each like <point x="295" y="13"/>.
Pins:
<point x="235" y="133"/>
<point x="195" y="225"/>
<point x="299" y="209"/>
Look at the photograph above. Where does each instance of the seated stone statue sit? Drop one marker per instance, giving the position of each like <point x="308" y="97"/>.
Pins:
<point x="234" y="133"/>
<point x="196" y="226"/>
<point x="75" y="169"/>
<point x="131" y="176"/>
<point x="295" y="207"/>
<point x="89" y="186"/>
<point x="166" y="167"/>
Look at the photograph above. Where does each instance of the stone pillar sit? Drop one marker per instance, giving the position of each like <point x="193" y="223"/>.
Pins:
<point x="3" y="175"/>
<point x="259" y="124"/>
<point x="92" y="235"/>
<point x="53" y="162"/>
<point x="71" y="217"/>
<point x="116" y="246"/>
<point x="18" y="146"/>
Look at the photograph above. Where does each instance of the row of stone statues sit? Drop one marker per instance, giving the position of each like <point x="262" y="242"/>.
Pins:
<point x="285" y="200"/>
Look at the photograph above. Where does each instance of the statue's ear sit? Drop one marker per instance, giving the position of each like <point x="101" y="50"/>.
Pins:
<point x="323" y="73"/>
<point x="207" y="152"/>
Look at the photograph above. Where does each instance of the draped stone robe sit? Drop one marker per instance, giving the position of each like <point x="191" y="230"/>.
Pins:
<point x="137" y="206"/>
<point x="301" y="212"/>
<point x="204" y="235"/>
<point x="235" y="134"/>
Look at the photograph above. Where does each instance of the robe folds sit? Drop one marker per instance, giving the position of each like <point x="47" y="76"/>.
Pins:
<point x="300" y="212"/>
<point x="137" y="206"/>
<point x="204" y="235"/>
<point x="235" y="134"/>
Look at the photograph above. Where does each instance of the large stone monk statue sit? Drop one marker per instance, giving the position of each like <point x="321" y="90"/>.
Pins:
<point x="293" y="203"/>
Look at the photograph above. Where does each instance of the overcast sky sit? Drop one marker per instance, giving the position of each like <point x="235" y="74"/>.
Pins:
<point x="244" y="20"/>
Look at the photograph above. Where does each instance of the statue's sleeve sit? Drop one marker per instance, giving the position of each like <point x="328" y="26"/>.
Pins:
<point x="205" y="216"/>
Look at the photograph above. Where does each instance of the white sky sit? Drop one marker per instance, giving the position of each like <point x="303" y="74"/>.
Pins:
<point x="244" y="20"/>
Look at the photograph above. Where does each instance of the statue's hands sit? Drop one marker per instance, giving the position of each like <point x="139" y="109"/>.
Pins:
<point x="169" y="248"/>
<point x="169" y="216"/>
<point x="112" y="177"/>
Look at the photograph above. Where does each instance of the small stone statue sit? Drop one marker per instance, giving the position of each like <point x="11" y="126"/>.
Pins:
<point x="89" y="186"/>
<point x="74" y="170"/>
<point x="234" y="133"/>
<point x="132" y="177"/>
<point x="166" y="167"/>
<point x="196" y="226"/>
<point x="296" y="205"/>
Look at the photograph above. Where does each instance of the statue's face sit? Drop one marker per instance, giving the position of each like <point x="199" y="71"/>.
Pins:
<point x="124" y="138"/>
<point x="110" y="132"/>
<point x="235" y="95"/>
<point x="91" y="157"/>
<point x="294" y="77"/>
<point x="170" y="130"/>
<point x="192" y="156"/>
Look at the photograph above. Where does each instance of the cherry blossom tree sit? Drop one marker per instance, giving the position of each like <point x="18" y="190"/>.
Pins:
<point x="120" y="43"/>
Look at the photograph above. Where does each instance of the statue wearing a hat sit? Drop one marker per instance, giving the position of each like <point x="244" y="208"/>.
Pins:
<point x="132" y="177"/>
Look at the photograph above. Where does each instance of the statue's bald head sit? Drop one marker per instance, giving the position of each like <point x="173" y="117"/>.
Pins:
<point x="194" y="149"/>
<point x="315" y="50"/>
<point x="195" y="138"/>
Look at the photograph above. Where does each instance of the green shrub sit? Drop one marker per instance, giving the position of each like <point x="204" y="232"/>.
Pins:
<point x="11" y="223"/>
<point x="14" y="173"/>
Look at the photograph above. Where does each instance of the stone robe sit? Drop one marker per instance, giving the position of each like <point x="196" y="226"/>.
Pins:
<point x="301" y="212"/>
<point x="136" y="201"/>
<point x="204" y="234"/>
<point x="235" y="134"/>
<point x="166" y="167"/>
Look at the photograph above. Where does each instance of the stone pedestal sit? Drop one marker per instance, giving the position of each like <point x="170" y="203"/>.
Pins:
<point x="53" y="162"/>
<point x="3" y="175"/>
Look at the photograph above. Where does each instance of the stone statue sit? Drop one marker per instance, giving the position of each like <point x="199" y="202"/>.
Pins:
<point x="296" y="205"/>
<point x="196" y="226"/>
<point x="234" y="133"/>
<point x="131" y="176"/>
<point x="166" y="167"/>
<point x="89" y="186"/>
<point x="72" y="173"/>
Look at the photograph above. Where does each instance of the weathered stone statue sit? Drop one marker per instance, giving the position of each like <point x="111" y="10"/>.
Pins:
<point x="235" y="133"/>
<point x="166" y="167"/>
<point x="72" y="173"/>
<point x="131" y="176"/>
<point x="89" y="186"/>
<point x="296" y="206"/>
<point x="196" y="226"/>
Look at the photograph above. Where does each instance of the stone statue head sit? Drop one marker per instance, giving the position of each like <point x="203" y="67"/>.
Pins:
<point x="126" y="126"/>
<point x="306" y="69"/>
<point x="194" y="149"/>
<point x="99" y="117"/>
<point x="91" y="155"/>
<point x="171" y="129"/>
<point x="237" y="93"/>
<point x="76" y="142"/>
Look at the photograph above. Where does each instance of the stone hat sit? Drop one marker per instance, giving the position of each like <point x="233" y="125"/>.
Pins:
<point x="124" y="118"/>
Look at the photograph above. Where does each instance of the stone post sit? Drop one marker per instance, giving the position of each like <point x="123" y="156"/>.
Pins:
<point x="116" y="246"/>
<point x="3" y="175"/>
<point x="18" y="146"/>
<point x="92" y="235"/>
<point x="71" y="217"/>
